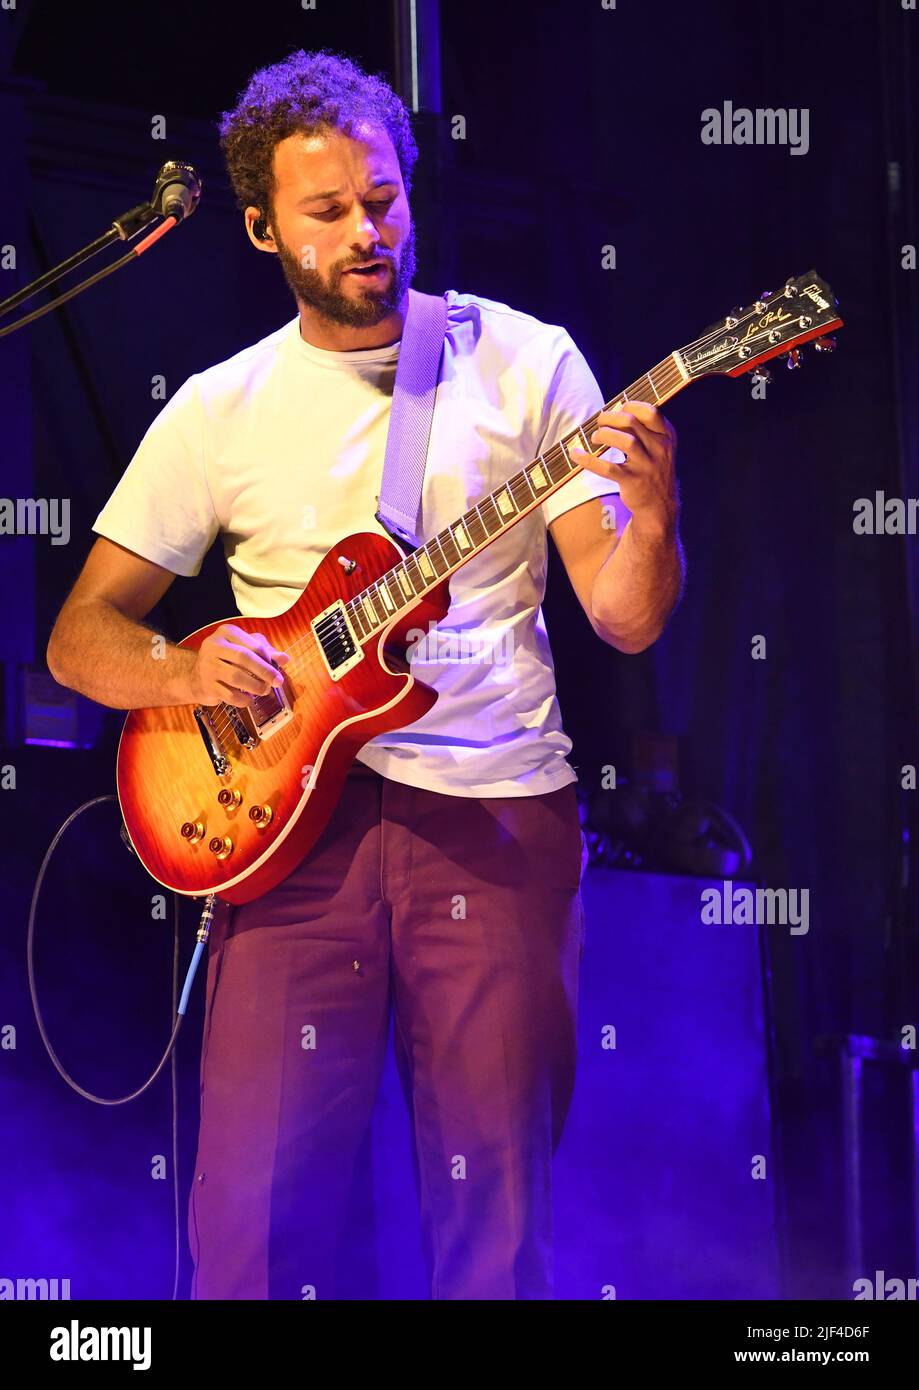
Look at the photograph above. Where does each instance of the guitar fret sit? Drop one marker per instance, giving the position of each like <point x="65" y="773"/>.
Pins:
<point x="515" y="483"/>
<point x="424" y="564"/>
<point x="461" y="536"/>
<point x="448" y="535"/>
<point x="556" y="463"/>
<point x="395" y="592"/>
<point x="383" y="591"/>
<point x="368" y="611"/>
<point x="524" y="475"/>
<point x="442" y="557"/>
<point x="489" y="501"/>
<point x="476" y="526"/>
<point x="352" y="610"/>
<point x="379" y="607"/>
<point x="415" y="576"/>
<point x="566" y="457"/>
<point x="481" y="508"/>
<point x="538" y="476"/>
<point x="504" y="504"/>
<point x="405" y="581"/>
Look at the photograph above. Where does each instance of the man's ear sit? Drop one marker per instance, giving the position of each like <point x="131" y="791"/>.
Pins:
<point x="256" y="226"/>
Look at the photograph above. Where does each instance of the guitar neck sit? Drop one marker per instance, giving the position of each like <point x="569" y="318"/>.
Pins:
<point x="403" y="586"/>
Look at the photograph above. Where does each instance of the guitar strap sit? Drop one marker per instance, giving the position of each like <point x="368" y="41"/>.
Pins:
<point x="411" y="417"/>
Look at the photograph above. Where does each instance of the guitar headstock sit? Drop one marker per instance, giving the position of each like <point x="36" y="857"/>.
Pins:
<point x="803" y="310"/>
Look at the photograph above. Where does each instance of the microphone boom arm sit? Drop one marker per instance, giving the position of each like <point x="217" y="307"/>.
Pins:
<point x="175" y="197"/>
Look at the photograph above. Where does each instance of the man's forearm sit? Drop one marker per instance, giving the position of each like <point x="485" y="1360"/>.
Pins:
<point x="638" y="585"/>
<point x="116" y="661"/>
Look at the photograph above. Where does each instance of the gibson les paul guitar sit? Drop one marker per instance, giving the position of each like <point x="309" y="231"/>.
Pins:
<point x="227" y="800"/>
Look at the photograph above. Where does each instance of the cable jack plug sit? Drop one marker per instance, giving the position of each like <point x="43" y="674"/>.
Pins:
<point x="207" y="917"/>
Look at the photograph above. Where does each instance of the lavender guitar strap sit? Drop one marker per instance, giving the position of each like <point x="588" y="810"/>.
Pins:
<point x="412" y="414"/>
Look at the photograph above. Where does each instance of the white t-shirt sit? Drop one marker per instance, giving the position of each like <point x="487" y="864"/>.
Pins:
<point x="280" y="450"/>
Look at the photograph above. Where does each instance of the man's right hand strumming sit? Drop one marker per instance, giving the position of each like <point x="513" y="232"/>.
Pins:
<point x="232" y="666"/>
<point x="100" y="647"/>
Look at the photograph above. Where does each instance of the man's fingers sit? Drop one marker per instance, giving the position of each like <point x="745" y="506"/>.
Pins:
<point x="633" y="446"/>
<point x="642" y="414"/>
<point x="649" y="416"/>
<point x="607" y="468"/>
<point x="261" y="673"/>
<point x="234" y="695"/>
<point x="254" y="641"/>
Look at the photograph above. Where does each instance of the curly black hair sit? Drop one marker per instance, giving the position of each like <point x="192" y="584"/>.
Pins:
<point x="307" y="92"/>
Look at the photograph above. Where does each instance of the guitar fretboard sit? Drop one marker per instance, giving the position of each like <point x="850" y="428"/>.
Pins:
<point x="401" y="587"/>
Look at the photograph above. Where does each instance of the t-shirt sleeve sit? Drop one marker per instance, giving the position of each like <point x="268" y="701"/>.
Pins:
<point x="573" y="395"/>
<point x="162" y="507"/>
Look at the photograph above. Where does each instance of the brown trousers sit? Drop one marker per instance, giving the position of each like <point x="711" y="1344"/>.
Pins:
<point x="464" y="915"/>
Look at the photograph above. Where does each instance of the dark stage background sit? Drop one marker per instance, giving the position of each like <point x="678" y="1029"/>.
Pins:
<point x="582" y="131"/>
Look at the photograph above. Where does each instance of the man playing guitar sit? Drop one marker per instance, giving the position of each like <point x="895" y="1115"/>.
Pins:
<point x="445" y="886"/>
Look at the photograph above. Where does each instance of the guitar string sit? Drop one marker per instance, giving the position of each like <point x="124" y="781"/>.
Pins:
<point x="666" y="375"/>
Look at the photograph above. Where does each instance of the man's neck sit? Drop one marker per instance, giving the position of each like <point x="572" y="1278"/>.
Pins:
<point x="339" y="337"/>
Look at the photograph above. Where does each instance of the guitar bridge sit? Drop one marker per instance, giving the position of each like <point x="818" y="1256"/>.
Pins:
<point x="240" y="728"/>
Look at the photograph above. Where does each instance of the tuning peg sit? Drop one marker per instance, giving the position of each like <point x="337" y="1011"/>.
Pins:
<point x="793" y="359"/>
<point x="761" y="375"/>
<point x="825" y="344"/>
<point x="760" y="305"/>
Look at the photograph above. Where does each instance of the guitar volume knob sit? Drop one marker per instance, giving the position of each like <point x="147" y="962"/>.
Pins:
<point x="261" y="816"/>
<point x="192" y="831"/>
<point x="221" y="846"/>
<point x="228" y="797"/>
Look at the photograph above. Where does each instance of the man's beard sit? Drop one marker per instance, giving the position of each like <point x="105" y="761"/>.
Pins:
<point x="310" y="286"/>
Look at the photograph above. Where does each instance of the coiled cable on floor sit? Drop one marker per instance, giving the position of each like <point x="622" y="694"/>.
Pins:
<point x="203" y="931"/>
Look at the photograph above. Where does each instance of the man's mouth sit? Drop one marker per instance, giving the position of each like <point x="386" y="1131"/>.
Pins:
<point x="369" y="270"/>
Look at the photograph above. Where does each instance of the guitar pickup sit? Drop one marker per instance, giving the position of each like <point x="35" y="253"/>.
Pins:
<point x="270" y="712"/>
<point x="337" y="640"/>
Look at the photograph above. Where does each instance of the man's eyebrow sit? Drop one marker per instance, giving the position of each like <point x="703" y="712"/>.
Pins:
<point x="334" y="192"/>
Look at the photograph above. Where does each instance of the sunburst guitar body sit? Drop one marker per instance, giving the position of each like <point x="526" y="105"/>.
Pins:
<point x="228" y="800"/>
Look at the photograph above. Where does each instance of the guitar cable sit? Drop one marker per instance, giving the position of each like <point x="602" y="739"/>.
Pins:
<point x="204" y="927"/>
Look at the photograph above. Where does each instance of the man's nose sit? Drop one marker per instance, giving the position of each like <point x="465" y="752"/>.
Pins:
<point x="364" y="229"/>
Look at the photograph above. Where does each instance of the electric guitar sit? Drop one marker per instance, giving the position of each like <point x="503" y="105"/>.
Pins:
<point x="227" y="800"/>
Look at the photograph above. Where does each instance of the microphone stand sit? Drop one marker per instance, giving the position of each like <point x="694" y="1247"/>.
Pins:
<point x="178" y="189"/>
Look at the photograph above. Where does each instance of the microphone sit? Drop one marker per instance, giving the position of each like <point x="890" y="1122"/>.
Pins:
<point x="177" y="190"/>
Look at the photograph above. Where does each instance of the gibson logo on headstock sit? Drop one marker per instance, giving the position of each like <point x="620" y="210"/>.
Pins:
<point x="813" y="292"/>
<point x="724" y="346"/>
<point x="773" y="316"/>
